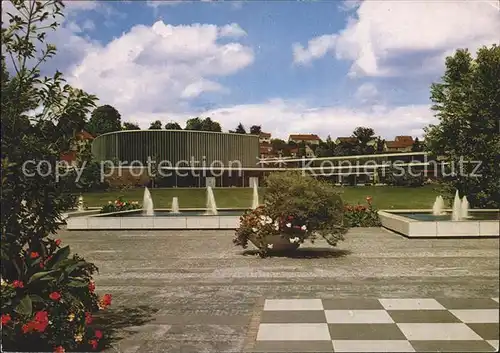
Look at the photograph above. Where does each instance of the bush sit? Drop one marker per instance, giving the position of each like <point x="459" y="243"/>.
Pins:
<point x="404" y="177"/>
<point x="120" y="205"/>
<point x="295" y="206"/>
<point x="52" y="305"/>
<point x="362" y="215"/>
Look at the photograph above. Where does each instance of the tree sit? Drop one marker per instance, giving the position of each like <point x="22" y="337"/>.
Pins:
<point x="380" y="147"/>
<point x="467" y="104"/>
<point x="209" y="125"/>
<point x="33" y="194"/>
<point x="417" y="146"/>
<point x="194" y="124"/>
<point x="104" y="119"/>
<point x="255" y="130"/>
<point x="155" y="125"/>
<point x="172" y="126"/>
<point x="240" y="129"/>
<point x="130" y="126"/>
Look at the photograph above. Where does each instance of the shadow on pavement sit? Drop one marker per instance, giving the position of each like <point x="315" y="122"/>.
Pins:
<point x="304" y="253"/>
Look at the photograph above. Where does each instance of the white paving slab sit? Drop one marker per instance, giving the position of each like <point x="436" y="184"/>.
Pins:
<point x="372" y="346"/>
<point x="438" y="332"/>
<point x="293" y="304"/>
<point x="494" y="343"/>
<point x="474" y="316"/>
<point x="358" y="317"/>
<point x="411" y="304"/>
<point x="293" y="332"/>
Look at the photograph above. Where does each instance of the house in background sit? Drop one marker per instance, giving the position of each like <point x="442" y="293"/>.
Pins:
<point x="346" y="140"/>
<point x="400" y="144"/>
<point x="308" y="139"/>
<point x="264" y="137"/>
<point x="81" y="138"/>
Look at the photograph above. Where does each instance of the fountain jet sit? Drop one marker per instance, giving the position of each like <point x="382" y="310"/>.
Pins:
<point x="255" y="199"/>
<point x="438" y="208"/>
<point x="175" y="205"/>
<point x="211" y="206"/>
<point x="464" y="210"/>
<point x="147" y="203"/>
<point x="456" y="214"/>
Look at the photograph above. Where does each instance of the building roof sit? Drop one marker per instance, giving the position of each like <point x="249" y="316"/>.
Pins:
<point x="404" y="139"/>
<point x="305" y="137"/>
<point x="265" y="134"/>
<point x="397" y="144"/>
<point x="84" y="135"/>
<point x="265" y="148"/>
<point x="348" y="139"/>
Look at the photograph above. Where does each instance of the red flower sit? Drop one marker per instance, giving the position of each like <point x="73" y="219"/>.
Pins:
<point x="91" y="286"/>
<point x="39" y="323"/>
<point x="42" y="316"/>
<point x="59" y="349"/>
<point x="34" y="255"/>
<point x="105" y="301"/>
<point x="98" y="334"/>
<point x="93" y="343"/>
<point x="42" y="264"/>
<point x="368" y="199"/>
<point x="290" y="218"/>
<point x="88" y="318"/>
<point x="58" y="242"/>
<point x="55" y="296"/>
<point x="26" y="327"/>
<point x="40" y="326"/>
<point x="5" y="319"/>
<point x="18" y="284"/>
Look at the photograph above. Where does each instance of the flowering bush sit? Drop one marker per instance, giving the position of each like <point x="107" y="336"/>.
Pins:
<point x="120" y="205"/>
<point x="296" y="207"/>
<point x="260" y="223"/>
<point x="50" y="307"/>
<point x="362" y="215"/>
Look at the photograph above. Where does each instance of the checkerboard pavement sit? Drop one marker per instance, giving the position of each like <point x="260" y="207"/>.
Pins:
<point x="378" y="325"/>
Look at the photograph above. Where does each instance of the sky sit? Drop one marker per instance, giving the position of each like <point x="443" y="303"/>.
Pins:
<point x="321" y="67"/>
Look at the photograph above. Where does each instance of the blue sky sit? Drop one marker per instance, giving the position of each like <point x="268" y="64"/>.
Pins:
<point x="293" y="67"/>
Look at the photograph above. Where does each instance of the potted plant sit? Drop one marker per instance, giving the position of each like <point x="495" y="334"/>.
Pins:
<point x="297" y="207"/>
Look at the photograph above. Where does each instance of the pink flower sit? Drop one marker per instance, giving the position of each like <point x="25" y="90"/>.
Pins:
<point x="55" y="296"/>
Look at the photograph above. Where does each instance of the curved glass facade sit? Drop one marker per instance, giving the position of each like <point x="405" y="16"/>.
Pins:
<point x="176" y="146"/>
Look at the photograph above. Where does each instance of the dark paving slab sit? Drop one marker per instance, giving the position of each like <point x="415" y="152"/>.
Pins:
<point x="452" y="346"/>
<point x="488" y="331"/>
<point x="365" y="332"/>
<point x="470" y="303"/>
<point x="193" y="291"/>
<point x="352" y="304"/>
<point x="289" y="346"/>
<point x="416" y="316"/>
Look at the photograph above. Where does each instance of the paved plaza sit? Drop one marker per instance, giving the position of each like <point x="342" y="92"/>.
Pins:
<point x="193" y="291"/>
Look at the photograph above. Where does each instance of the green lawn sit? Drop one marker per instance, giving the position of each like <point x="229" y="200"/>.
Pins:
<point x="383" y="196"/>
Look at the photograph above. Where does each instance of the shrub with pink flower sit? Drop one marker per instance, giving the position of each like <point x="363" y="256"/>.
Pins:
<point x="120" y="204"/>
<point x="362" y="215"/>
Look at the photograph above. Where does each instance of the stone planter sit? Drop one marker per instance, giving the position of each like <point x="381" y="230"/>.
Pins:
<point x="280" y="244"/>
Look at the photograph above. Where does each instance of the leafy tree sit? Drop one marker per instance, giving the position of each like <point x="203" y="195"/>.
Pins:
<point x="156" y="125"/>
<point x="380" y="145"/>
<point x="240" y="129"/>
<point x="36" y="269"/>
<point x="255" y="130"/>
<point x="194" y="124"/>
<point x="130" y="126"/>
<point x="209" y="125"/>
<point x="417" y="146"/>
<point x="104" y="119"/>
<point x="364" y="135"/>
<point x="172" y="126"/>
<point x="467" y="104"/>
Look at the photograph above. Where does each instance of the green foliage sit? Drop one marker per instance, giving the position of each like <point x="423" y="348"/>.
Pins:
<point x="172" y="126"/>
<point x="104" y="119"/>
<point x="33" y="266"/>
<point x="403" y="176"/>
<point x="240" y="129"/>
<point x="467" y="104"/>
<point x="206" y="124"/>
<point x="310" y="202"/>
<point x="130" y="126"/>
<point x="361" y="215"/>
<point x="417" y="146"/>
<point x="155" y="125"/>
<point x="120" y="205"/>
<point x="255" y="129"/>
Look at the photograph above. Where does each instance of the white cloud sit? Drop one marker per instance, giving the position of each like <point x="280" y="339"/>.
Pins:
<point x="384" y="31"/>
<point x="316" y="48"/>
<point x="366" y="92"/>
<point x="232" y="30"/>
<point x="282" y="118"/>
<point x="159" y="66"/>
